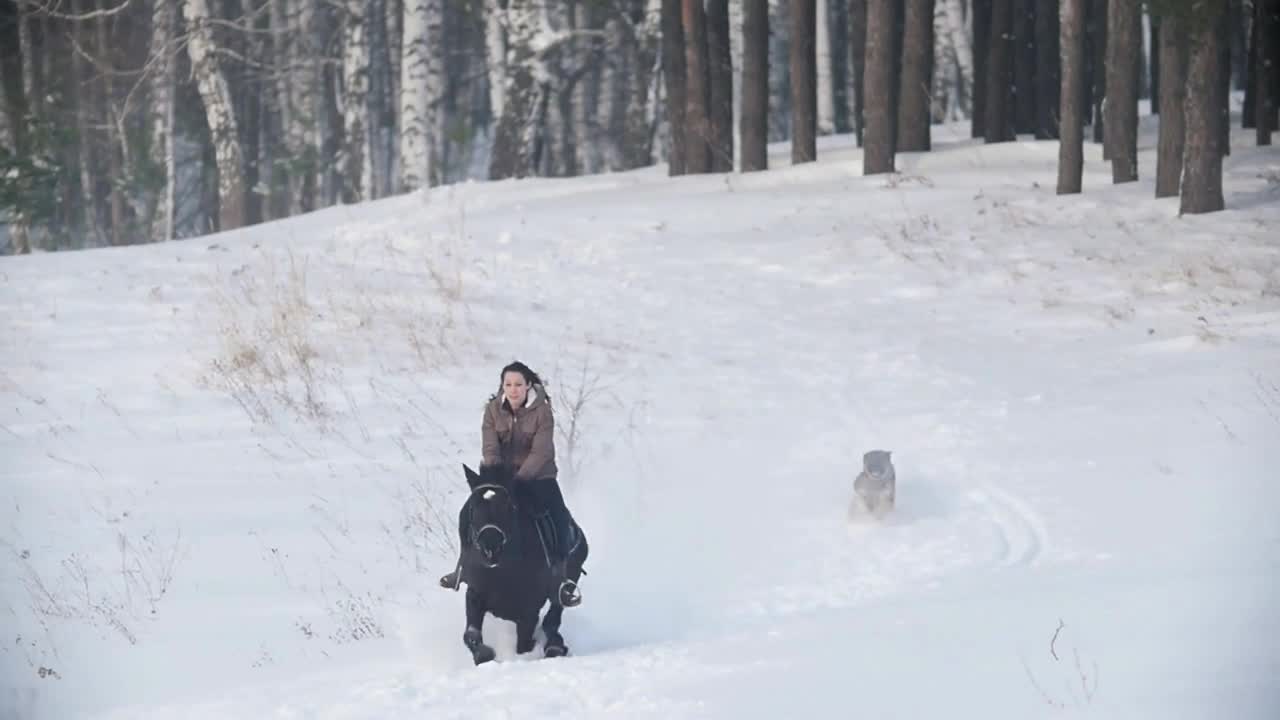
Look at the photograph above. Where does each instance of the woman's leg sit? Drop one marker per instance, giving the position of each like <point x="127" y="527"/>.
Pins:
<point x="452" y="580"/>
<point x="550" y="500"/>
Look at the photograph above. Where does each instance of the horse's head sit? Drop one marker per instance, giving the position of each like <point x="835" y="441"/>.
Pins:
<point x="494" y="516"/>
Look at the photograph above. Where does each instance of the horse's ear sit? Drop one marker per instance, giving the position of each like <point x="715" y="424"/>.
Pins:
<point x="472" y="478"/>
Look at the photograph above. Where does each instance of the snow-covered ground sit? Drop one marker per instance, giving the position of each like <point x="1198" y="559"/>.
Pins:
<point x="231" y="465"/>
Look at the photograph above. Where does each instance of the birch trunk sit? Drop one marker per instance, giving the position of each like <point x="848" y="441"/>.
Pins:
<point x="826" y="88"/>
<point x="218" y="113"/>
<point x="357" y="138"/>
<point x="419" y="91"/>
<point x="495" y="43"/>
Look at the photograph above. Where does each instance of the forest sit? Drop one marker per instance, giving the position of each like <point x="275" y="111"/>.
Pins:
<point x="134" y="121"/>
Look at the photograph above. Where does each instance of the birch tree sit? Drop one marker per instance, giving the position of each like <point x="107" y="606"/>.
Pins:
<point x="358" y="139"/>
<point x="826" y="94"/>
<point x="218" y="105"/>
<point x="420" y="89"/>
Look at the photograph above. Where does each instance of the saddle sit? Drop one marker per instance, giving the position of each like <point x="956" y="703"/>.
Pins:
<point x="550" y="539"/>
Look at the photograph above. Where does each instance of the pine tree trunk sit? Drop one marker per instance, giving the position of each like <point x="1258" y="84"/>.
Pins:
<point x="841" y="83"/>
<point x="1202" y="159"/>
<point x="1124" y="48"/>
<point x="1153" y="63"/>
<point x="218" y="105"/>
<point x="12" y="71"/>
<point x="1048" y="71"/>
<point x="674" y="76"/>
<point x="1098" y="47"/>
<point x="804" y="96"/>
<point x="878" y="150"/>
<point x="697" y="114"/>
<point x="858" y="68"/>
<point x="1267" y="24"/>
<point x="999" y="120"/>
<point x="721" y="75"/>
<point x="980" y="17"/>
<point x="1173" y="90"/>
<point x="1024" y="66"/>
<point x="958" y="48"/>
<point x="916" y="80"/>
<point x="755" y="85"/>
<point x="1071" y="145"/>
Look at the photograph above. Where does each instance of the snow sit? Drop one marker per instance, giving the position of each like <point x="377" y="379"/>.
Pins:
<point x="232" y="465"/>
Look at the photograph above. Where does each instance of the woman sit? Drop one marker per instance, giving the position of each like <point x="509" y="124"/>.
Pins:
<point x="518" y="430"/>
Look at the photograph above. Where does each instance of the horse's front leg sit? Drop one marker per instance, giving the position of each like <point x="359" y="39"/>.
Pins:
<point x="554" y="646"/>
<point x="472" y="636"/>
<point x="524" y="632"/>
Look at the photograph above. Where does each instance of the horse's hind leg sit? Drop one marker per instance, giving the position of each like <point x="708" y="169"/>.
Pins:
<point x="472" y="636"/>
<point x="554" y="646"/>
<point x="524" y="633"/>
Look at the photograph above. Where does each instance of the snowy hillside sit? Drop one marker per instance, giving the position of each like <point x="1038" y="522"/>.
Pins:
<point x="232" y="465"/>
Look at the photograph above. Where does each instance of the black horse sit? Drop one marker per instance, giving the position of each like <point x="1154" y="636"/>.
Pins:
<point x="506" y="565"/>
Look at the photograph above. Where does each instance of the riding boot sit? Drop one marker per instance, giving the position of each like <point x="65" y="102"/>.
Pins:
<point x="453" y="580"/>
<point x="567" y="593"/>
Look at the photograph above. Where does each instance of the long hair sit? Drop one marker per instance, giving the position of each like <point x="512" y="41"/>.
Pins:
<point x="530" y="377"/>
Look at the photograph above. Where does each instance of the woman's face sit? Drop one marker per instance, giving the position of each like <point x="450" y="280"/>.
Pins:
<point x="514" y="388"/>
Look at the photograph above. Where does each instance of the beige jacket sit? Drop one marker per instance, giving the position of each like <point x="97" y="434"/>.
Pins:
<point x="523" y="438"/>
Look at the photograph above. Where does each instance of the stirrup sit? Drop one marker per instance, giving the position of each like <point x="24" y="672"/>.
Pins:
<point x="569" y="595"/>
<point x="451" y="581"/>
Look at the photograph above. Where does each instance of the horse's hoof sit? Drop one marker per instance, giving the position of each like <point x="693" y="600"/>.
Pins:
<point x="555" y="651"/>
<point x="483" y="654"/>
<point x="522" y="648"/>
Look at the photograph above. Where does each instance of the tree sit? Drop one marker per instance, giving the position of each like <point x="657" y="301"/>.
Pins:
<point x="755" y="85"/>
<point x="1071" y="146"/>
<point x="697" y="115"/>
<point x="980" y="18"/>
<point x="1204" y="103"/>
<point x="219" y="107"/>
<point x="419" y="91"/>
<point x="358" y="138"/>
<point x="857" y="67"/>
<point x="804" y="97"/>
<point x="914" y="90"/>
<point x="998" y="124"/>
<point x="878" y="147"/>
<point x="163" y="86"/>
<point x="1266" y="24"/>
<point x="674" y="74"/>
<point x="1124" y="48"/>
<point x="1173" y="90"/>
<point x="1048" y="71"/>
<point x="720" y="74"/>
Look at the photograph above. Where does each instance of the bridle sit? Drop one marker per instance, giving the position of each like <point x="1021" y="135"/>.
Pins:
<point x="487" y="492"/>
